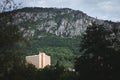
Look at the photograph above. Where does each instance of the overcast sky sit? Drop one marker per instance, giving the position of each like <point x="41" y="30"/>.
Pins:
<point x="102" y="9"/>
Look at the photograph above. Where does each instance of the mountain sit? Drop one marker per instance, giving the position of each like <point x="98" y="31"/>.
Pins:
<point x="55" y="31"/>
<point x="61" y="22"/>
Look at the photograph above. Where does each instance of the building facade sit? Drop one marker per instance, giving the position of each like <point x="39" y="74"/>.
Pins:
<point x="40" y="61"/>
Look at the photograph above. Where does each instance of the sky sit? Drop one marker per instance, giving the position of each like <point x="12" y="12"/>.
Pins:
<point x="101" y="9"/>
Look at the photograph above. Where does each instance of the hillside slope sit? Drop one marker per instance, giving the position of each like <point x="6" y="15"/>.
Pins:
<point x="55" y="31"/>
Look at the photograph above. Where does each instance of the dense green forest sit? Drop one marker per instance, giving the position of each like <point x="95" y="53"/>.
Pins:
<point x="61" y="49"/>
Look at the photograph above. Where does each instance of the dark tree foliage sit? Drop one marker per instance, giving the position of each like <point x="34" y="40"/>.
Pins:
<point x="100" y="59"/>
<point x="56" y="72"/>
<point x="10" y="58"/>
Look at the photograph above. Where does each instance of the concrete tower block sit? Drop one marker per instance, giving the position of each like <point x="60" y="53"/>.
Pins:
<point x="40" y="61"/>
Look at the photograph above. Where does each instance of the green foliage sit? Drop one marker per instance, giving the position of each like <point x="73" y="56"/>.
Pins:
<point x="55" y="72"/>
<point x="62" y="54"/>
<point x="98" y="61"/>
<point x="59" y="48"/>
<point x="10" y="57"/>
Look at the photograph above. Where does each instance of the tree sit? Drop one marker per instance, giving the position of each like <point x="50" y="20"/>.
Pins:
<point x="99" y="59"/>
<point x="10" y="37"/>
<point x="6" y="5"/>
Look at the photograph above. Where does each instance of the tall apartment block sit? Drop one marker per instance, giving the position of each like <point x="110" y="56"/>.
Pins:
<point x="40" y="61"/>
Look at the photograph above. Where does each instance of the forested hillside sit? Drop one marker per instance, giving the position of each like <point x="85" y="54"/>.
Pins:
<point x="55" y="31"/>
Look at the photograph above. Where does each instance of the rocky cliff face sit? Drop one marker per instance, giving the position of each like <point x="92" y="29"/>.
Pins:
<point x="61" y="22"/>
<point x="54" y="31"/>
